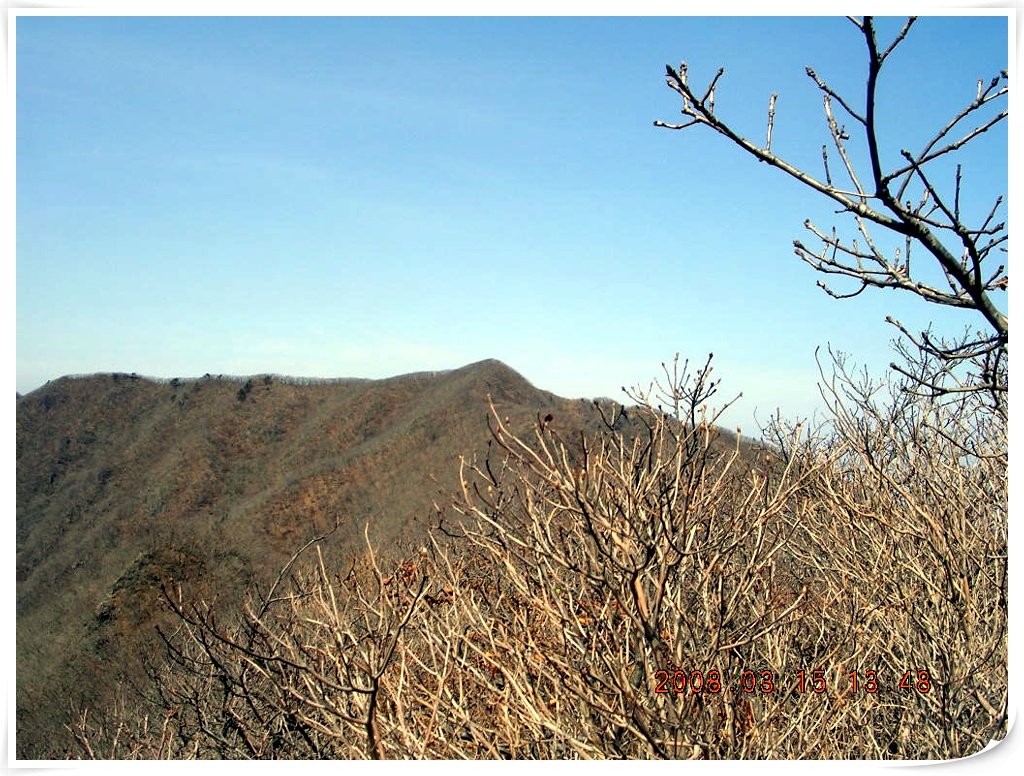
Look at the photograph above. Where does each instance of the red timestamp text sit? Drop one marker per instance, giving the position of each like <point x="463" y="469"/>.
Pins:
<point x="869" y="681"/>
<point x="765" y="681"/>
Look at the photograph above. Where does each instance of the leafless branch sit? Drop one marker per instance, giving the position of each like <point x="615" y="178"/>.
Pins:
<point x="926" y="225"/>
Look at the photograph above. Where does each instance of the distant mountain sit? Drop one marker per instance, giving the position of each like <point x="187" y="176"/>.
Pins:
<point x="125" y="482"/>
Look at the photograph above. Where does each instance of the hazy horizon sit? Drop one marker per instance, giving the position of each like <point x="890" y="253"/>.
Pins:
<point x="369" y="197"/>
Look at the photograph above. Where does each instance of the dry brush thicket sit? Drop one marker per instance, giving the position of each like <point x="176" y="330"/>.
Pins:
<point x="574" y="578"/>
<point x="644" y="592"/>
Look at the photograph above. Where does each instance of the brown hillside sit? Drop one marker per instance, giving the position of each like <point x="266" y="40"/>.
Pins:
<point x="126" y="484"/>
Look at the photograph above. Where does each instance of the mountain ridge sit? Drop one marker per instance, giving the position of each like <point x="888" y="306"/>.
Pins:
<point x="123" y="480"/>
<point x="125" y="483"/>
<point x="491" y="364"/>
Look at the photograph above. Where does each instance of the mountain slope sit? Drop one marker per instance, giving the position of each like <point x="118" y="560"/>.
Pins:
<point x="128" y="486"/>
<point x="123" y="483"/>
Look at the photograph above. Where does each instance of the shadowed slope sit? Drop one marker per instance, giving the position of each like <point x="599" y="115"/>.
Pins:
<point x="125" y="484"/>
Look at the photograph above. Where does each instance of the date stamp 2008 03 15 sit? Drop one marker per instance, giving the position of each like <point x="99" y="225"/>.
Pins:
<point x="765" y="681"/>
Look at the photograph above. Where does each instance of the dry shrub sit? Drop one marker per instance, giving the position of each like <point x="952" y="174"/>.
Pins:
<point x="841" y="594"/>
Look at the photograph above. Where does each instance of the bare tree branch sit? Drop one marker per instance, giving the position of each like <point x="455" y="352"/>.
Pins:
<point x="928" y="224"/>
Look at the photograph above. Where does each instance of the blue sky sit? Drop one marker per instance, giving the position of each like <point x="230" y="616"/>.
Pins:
<point x="364" y="197"/>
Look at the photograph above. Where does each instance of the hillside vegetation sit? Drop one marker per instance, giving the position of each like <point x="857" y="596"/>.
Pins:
<point x="598" y="581"/>
<point x="124" y="484"/>
<point x="458" y="565"/>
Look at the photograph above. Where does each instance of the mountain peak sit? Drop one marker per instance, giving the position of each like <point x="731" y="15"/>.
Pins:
<point x="498" y="379"/>
<point x="492" y="366"/>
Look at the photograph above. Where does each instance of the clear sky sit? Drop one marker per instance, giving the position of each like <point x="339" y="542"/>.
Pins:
<point x="365" y="197"/>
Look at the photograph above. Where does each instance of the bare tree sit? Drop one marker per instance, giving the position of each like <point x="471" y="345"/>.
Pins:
<point x="906" y="200"/>
<point x="645" y="592"/>
<point x="649" y="590"/>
